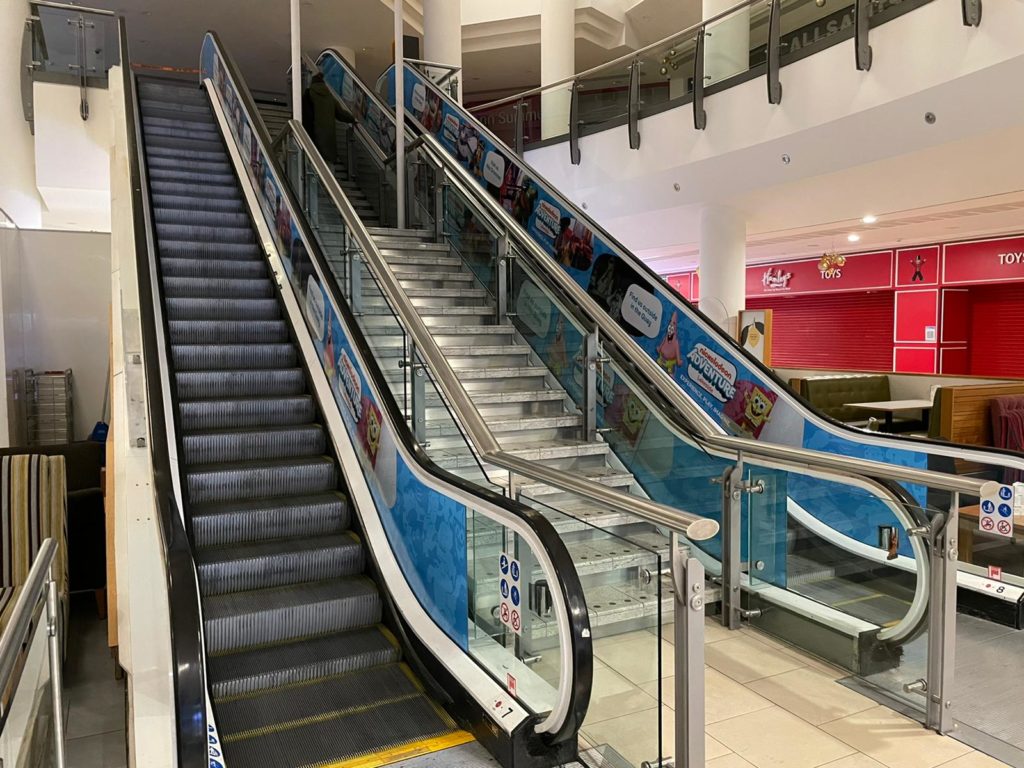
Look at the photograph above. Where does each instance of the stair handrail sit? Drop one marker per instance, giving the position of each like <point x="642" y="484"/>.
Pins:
<point x="187" y="650"/>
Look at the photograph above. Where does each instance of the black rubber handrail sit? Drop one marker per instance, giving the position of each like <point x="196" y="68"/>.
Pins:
<point x="187" y="653"/>
<point x="569" y="583"/>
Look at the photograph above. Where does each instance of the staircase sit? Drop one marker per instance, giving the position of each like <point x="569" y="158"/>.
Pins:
<point x="300" y="667"/>
<point x="532" y="417"/>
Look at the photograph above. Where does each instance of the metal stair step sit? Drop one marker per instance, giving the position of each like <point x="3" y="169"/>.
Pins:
<point x="259" y="565"/>
<point x="265" y="519"/>
<point x="190" y="249"/>
<point x="242" y="310"/>
<point x="244" y="672"/>
<point x="238" y="481"/>
<point x="216" y="234"/>
<point x="241" y="620"/>
<point x="234" y="269"/>
<point x="196" y="385"/>
<point x="207" y="357"/>
<point x="274" y="411"/>
<point x="255" y="444"/>
<point x="227" y="331"/>
<point x="218" y="287"/>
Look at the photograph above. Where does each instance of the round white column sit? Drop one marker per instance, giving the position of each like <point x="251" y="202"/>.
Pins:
<point x="727" y="46"/>
<point x="557" y="62"/>
<point x="723" y="262"/>
<point x="442" y="34"/>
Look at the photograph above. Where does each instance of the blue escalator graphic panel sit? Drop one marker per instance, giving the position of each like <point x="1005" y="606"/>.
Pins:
<point x="426" y="529"/>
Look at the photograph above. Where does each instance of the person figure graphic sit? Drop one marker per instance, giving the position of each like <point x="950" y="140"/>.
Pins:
<point x="917" y="262"/>
<point x="668" y="350"/>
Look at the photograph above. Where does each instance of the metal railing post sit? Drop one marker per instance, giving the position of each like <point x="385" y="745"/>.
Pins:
<point x="574" y="123"/>
<point x="942" y="622"/>
<point x="355" y="271"/>
<point x="862" y="48"/>
<point x="312" y="200"/>
<point x="591" y="363"/>
<point x="972" y="13"/>
<point x="688" y="580"/>
<point x="772" y="74"/>
<point x="634" y="104"/>
<point x="501" y="278"/>
<point x="732" y="524"/>
<point x="419" y="394"/>
<point x="439" y="209"/>
<point x="700" y="115"/>
<point x="56" y="681"/>
<point x="519" y="123"/>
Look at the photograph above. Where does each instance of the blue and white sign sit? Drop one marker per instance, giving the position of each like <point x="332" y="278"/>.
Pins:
<point x="509" y="609"/>
<point x="996" y="513"/>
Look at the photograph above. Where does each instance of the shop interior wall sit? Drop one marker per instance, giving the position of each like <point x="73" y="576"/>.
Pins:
<point x="56" y="294"/>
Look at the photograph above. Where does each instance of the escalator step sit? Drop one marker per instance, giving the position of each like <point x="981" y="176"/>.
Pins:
<point x="214" y="357"/>
<point x="156" y="102"/>
<point x="246" y="412"/>
<point x="239" y="481"/>
<point x="221" y="287"/>
<point x="149" y="123"/>
<point x="213" y="156"/>
<point x="186" y="93"/>
<point x="189" y="249"/>
<point x="222" y="309"/>
<point x="205" y="180"/>
<point x="250" y="619"/>
<point x="227" y="331"/>
<point x="210" y="218"/>
<point x="195" y="385"/>
<point x="236" y="269"/>
<point x="247" y="671"/>
<point x="260" y="565"/>
<point x="217" y="524"/>
<point x="193" y="203"/>
<point x="233" y="445"/>
<point x="196" y="190"/>
<point x="207" y="234"/>
<point x="172" y="142"/>
<point x="335" y="735"/>
<point x="189" y="131"/>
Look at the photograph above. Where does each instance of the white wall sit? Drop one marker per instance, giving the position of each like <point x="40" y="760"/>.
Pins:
<point x="56" y="292"/>
<point x="12" y="351"/>
<point x="18" y="195"/>
<point x="72" y="157"/>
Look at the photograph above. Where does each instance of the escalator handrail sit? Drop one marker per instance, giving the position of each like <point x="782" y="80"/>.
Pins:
<point x="486" y="444"/>
<point x="1003" y="458"/>
<point x="567" y="716"/>
<point x="187" y="651"/>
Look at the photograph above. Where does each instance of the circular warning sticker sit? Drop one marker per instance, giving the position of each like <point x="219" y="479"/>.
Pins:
<point x="987" y="523"/>
<point x="1004" y="527"/>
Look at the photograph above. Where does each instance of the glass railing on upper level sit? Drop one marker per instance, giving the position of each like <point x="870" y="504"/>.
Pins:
<point x="68" y="44"/>
<point x="460" y="546"/>
<point x="754" y="38"/>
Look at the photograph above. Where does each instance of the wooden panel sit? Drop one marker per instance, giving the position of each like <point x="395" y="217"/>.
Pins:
<point x="966" y="413"/>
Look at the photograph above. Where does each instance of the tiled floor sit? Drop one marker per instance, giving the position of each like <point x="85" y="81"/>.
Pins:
<point x="95" y="700"/>
<point x="767" y="706"/>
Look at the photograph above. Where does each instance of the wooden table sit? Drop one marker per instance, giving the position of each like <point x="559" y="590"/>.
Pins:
<point x="969" y="526"/>
<point x="889" y="407"/>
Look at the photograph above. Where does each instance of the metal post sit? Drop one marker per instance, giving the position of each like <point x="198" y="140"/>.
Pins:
<point x="634" y="104"/>
<point x="942" y="622"/>
<point x="399" y="113"/>
<point x="862" y="49"/>
<point x="732" y="524"/>
<point x="296" y="25"/>
<point x="574" y="123"/>
<point x="520" y="109"/>
<point x="688" y="580"/>
<point x="56" y="682"/>
<point x="313" y="201"/>
<point x="590" y="360"/>
<point x="972" y="13"/>
<point x="355" y="270"/>
<point x="772" y="74"/>
<point x="440" y="190"/>
<point x="700" y="115"/>
<point x="501" y="278"/>
<point x="419" y="393"/>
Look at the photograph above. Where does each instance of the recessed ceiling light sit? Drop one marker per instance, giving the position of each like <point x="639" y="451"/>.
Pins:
<point x="853" y="237"/>
<point x="869" y="218"/>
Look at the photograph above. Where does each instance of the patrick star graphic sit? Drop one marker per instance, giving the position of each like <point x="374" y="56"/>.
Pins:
<point x="668" y="350"/>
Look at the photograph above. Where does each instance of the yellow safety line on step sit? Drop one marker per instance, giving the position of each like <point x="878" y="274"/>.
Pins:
<point x="853" y="600"/>
<point x="403" y="751"/>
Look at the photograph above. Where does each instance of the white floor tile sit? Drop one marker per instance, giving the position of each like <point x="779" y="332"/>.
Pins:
<point x="811" y="695"/>
<point x="773" y="738"/>
<point x="746" y="658"/>
<point x="894" y="740"/>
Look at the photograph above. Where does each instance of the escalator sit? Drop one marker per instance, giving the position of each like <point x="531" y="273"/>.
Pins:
<point x="301" y="668"/>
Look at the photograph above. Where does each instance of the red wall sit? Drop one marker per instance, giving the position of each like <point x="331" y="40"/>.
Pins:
<point x="996" y="330"/>
<point x="841" y="331"/>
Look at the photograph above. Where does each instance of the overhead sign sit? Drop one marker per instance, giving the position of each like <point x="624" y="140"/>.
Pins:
<point x="826" y="273"/>
<point x="510" y="607"/>
<point x="996" y="513"/>
<point x="983" y="261"/>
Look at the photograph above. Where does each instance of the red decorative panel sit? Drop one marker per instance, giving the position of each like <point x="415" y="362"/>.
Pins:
<point x="914" y="359"/>
<point x="954" y="361"/>
<point x="956" y="315"/>
<point x="983" y="261"/>
<point x="916" y="313"/>
<point x="854" y="272"/>
<point x="917" y="266"/>
<point x="997" y="331"/>
<point x="837" y="332"/>
<point x="682" y="284"/>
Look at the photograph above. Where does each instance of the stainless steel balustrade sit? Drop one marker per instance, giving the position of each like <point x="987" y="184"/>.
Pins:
<point x="39" y="587"/>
